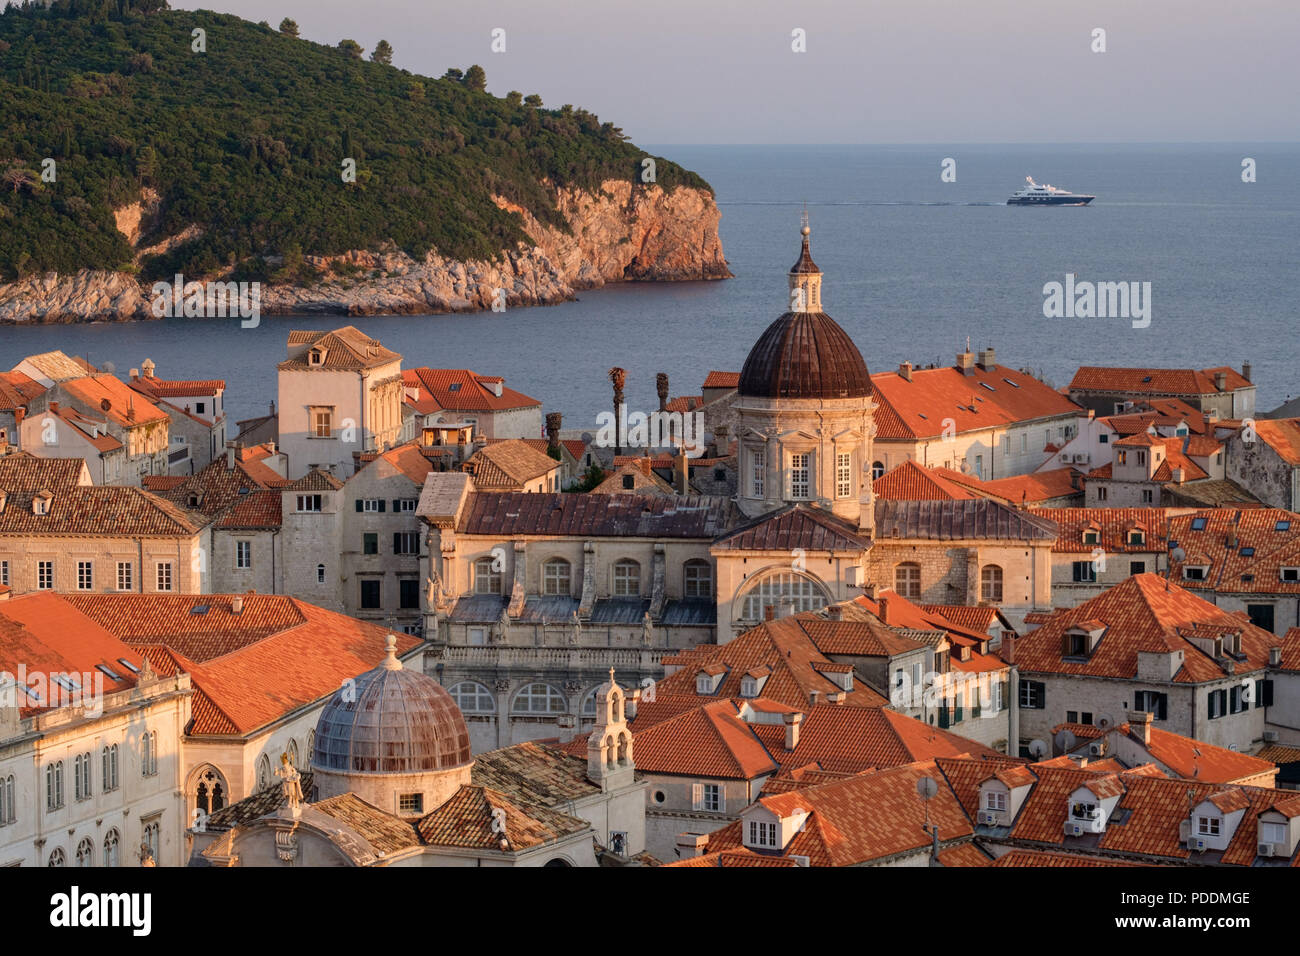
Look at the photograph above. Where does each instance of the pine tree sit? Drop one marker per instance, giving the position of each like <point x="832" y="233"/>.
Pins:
<point x="383" y="53"/>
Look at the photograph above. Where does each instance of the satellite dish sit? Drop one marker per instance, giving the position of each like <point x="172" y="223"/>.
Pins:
<point x="1037" y="749"/>
<point x="105" y="404"/>
<point x="926" y="787"/>
<point x="1178" y="554"/>
<point x="1105" y="721"/>
<point x="1064" y="741"/>
<point x="110" y="368"/>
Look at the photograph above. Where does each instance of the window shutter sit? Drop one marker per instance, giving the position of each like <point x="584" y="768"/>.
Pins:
<point x="722" y="798"/>
<point x="697" y="796"/>
<point x="397" y="504"/>
<point x="360" y="504"/>
<point x="1162" y="701"/>
<point x="381" y="505"/>
<point x="1137" y="700"/>
<point x="397" y="542"/>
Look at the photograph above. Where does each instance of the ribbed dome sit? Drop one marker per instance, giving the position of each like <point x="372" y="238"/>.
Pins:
<point x="805" y="355"/>
<point x="392" y="721"/>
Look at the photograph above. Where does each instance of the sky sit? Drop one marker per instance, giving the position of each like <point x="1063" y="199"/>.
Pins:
<point x="874" y="71"/>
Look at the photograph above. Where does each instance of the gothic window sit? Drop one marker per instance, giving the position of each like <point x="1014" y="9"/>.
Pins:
<point x="86" y="852"/>
<point x="557" y="577"/>
<point x="8" y="811"/>
<point x="991" y="584"/>
<point x="698" y="579"/>
<point x="473" y="698"/>
<point x="109" y="759"/>
<point x="292" y="751"/>
<point x="907" y="580"/>
<point x="627" y="578"/>
<point x="774" y="589"/>
<point x="540" y="699"/>
<point x="151" y="838"/>
<point x="263" y="772"/>
<point x="56" y="857"/>
<point x="112" y="840"/>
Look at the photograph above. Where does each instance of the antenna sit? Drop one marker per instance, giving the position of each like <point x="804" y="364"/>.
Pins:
<point x="926" y="788"/>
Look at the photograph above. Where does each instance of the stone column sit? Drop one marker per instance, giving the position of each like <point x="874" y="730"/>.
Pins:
<point x="518" y="590"/>
<point x="502" y="687"/>
<point x="588" y="580"/>
<point x="658" y="583"/>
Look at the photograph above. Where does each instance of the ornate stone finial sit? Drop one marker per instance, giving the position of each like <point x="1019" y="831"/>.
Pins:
<point x="391" y="663"/>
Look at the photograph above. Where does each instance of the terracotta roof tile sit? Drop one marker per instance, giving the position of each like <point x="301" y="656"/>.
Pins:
<point x="346" y="348"/>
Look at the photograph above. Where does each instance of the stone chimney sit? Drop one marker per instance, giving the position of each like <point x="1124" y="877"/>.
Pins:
<point x="1009" y="649"/>
<point x="1245" y="371"/>
<point x="769" y="612"/>
<point x="681" y="471"/>
<point x="148" y="367"/>
<point x="966" y="362"/>
<point x="834" y="612"/>
<point x="1179" y="474"/>
<point x="237" y="604"/>
<point x="792" y="722"/>
<point x="988" y="359"/>
<point x="691" y="845"/>
<point x="905" y="371"/>
<point x="1275" y="657"/>
<point x="230" y="454"/>
<point x="553" y="420"/>
<point x="630" y="705"/>
<point x="1139" y="722"/>
<point x="883" y="602"/>
<point x="661" y="388"/>
<point x="814" y="697"/>
<point x="1221" y="381"/>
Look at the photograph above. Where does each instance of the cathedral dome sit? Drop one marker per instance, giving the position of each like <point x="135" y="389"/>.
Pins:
<point x="392" y="720"/>
<point x="804" y="353"/>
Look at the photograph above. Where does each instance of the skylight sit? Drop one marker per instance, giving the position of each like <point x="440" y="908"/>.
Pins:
<point x="988" y="386"/>
<point x="199" y="609"/>
<point x="108" y="671"/>
<point x="1011" y="383"/>
<point x="1283" y="525"/>
<point x="1247" y="552"/>
<point x="128" y="665"/>
<point x="1198" y="524"/>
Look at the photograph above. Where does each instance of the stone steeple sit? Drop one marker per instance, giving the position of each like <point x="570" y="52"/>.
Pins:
<point x="609" y="748"/>
<point x="805" y="277"/>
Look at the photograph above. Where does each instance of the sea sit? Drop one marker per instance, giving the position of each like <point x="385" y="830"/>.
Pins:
<point x="915" y="267"/>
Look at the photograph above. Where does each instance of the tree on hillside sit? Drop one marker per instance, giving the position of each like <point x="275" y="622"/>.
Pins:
<point x="453" y="74"/>
<point x="352" y="48"/>
<point x="514" y="98"/>
<point x="476" y="78"/>
<point x="383" y="53"/>
<point x="533" y="100"/>
<point x="289" y="27"/>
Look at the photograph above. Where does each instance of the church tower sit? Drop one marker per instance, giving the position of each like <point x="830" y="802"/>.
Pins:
<point x="609" y="748"/>
<point x="805" y="277"/>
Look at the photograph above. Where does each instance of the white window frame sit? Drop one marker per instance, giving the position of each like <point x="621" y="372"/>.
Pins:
<point x="557" y="577"/>
<point x="626" y="578"/>
<point x="844" y="474"/>
<point x="243" y="555"/>
<point x="125" y="575"/>
<point x="44" y="575"/>
<point x="757" y="470"/>
<point x="800" y="475"/>
<point x="163" y="578"/>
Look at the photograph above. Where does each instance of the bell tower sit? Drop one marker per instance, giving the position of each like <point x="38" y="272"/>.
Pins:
<point x="609" y="748"/>
<point x="805" y="277"/>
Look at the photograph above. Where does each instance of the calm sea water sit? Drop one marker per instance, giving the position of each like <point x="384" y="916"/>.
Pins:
<point x="913" y="267"/>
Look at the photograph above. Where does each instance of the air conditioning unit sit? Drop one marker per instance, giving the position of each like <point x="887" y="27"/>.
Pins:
<point x="1073" y="829"/>
<point x="1266" y="849"/>
<point x="801" y="860"/>
<point x="988" y="818"/>
<point x="1270" y="736"/>
<point x="1097" y="748"/>
<point x="1197" y="845"/>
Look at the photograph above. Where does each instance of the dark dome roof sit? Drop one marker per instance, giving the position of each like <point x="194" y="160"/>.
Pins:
<point x="805" y="263"/>
<point x="805" y="355"/>
<point x="392" y="721"/>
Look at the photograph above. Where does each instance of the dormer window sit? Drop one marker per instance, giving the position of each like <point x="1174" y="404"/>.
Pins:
<point x="1091" y="536"/>
<point x="995" y="800"/>
<point x="317" y="356"/>
<point x="762" y="834"/>
<point x="1195" y="572"/>
<point x="41" y="503"/>
<point x="1291" y="574"/>
<point x="707" y="680"/>
<point x="1137" y="539"/>
<point x="748" y="687"/>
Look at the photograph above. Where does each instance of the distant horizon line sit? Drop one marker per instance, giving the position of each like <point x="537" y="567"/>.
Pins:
<point x="1105" y="143"/>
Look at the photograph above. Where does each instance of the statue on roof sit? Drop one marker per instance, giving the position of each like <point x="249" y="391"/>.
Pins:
<point x="291" y="783"/>
<point x="575" y="629"/>
<point x="647" y="630"/>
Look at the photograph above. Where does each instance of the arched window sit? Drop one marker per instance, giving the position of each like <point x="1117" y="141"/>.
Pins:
<point x="804" y="593"/>
<point x="311" y="744"/>
<point x="56" y="857"/>
<point x="991" y="584"/>
<point x="320" y="574"/>
<point x="109" y="759"/>
<point x="486" y="580"/>
<point x="697" y="579"/>
<point x="907" y="580"/>
<point x="557" y="577"/>
<point x="877" y="469"/>
<point x="111" y="841"/>
<point x="539" y="699"/>
<point x="589" y="703"/>
<point x="86" y="852"/>
<point x="292" y="751"/>
<point x="473" y="698"/>
<point x="54" y="786"/>
<point x="263" y="772"/>
<point x="210" y="791"/>
<point x="627" y="578"/>
<point x="151" y="838"/>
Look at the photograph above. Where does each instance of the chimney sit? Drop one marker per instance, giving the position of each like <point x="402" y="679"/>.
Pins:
<point x="54" y="407"/>
<point x="1275" y="657"/>
<point x="148" y="367"/>
<point x="553" y="420"/>
<point x="787" y="607"/>
<point x="834" y="612"/>
<point x="681" y="470"/>
<point x="1245" y="371"/>
<point x="1009" y="649"/>
<point x="237" y="604"/>
<point x="661" y="387"/>
<point x="905" y="371"/>
<point x="135" y="375"/>
<point x="1139" y="722"/>
<point x="966" y="362"/>
<point x="988" y="359"/>
<point x="769" y="612"/>
<point x="814" y="697"/>
<point x="691" y="845"/>
<point x="837" y="698"/>
<point x="1221" y="381"/>
<point x="792" y="722"/>
<point x="230" y="454"/>
<point x="1178" y="476"/>
<point x="630" y="702"/>
<point x="883" y="602"/>
<point x="869" y="590"/>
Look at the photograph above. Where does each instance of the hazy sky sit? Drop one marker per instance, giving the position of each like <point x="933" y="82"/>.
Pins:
<point x="875" y="71"/>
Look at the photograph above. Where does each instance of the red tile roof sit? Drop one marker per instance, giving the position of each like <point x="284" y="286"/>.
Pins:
<point x="1040" y="486"/>
<point x="913" y="482"/>
<point x="1113" y="526"/>
<point x="717" y="379"/>
<point x="1143" y="613"/>
<point x="23" y="471"/>
<point x="1283" y="436"/>
<point x="17" y="390"/>
<point x="102" y="511"/>
<point x="508" y="465"/>
<point x="126" y="407"/>
<point x="459" y="389"/>
<point x="347" y="348"/>
<point x="1153" y="381"/>
<point x="985" y="399"/>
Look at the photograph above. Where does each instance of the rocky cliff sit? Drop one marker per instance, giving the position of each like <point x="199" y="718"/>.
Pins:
<point x="621" y="233"/>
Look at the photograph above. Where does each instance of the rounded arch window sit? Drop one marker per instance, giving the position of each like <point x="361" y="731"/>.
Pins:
<point x="589" y="703"/>
<point x="557" y="577"/>
<point x="292" y="751"/>
<point x="541" y="699"/>
<point x="112" y="844"/>
<point x="991" y="584"/>
<point x="210" y="789"/>
<point x="627" y="578"/>
<point x="804" y="593"/>
<point x="907" y="580"/>
<point x="877" y="469"/>
<point x="263" y="772"/>
<point x="473" y="698"/>
<point x="320" y="574"/>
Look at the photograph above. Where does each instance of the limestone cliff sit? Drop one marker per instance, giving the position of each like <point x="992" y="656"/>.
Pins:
<point x="621" y="233"/>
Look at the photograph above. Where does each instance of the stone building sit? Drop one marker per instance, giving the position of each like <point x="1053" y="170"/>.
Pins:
<point x="1265" y="460"/>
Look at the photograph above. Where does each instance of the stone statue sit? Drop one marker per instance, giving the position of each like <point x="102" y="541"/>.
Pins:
<point x="502" y="630"/>
<point x="575" y="629"/>
<point x="647" y="630"/>
<point x="291" y="783"/>
<point x="146" y="855"/>
<point x="432" y="590"/>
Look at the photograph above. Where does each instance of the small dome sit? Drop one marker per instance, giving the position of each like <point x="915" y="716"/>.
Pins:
<point x="391" y="720"/>
<point x="805" y="355"/>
